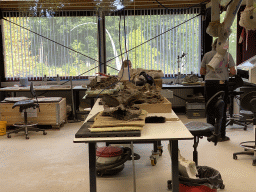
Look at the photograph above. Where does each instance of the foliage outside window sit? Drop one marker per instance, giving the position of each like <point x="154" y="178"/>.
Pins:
<point x="38" y="46"/>
<point x="67" y="45"/>
<point x="161" y="50"/>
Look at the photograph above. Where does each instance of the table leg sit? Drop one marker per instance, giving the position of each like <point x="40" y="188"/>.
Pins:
<point x="76" y="102"/>
<point x="133" y="168"/>
<point x="92" y="166"/>
<point x="175" y="169"/>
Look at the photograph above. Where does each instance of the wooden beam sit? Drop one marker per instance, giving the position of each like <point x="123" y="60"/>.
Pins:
<point x="91" y="4"/>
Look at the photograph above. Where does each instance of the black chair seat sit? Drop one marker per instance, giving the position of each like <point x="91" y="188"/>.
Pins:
<point x="246" y="113"/>
<point x="25" y="104"/>
<point x="200" y="128"/>
<point x="236" y="92"/>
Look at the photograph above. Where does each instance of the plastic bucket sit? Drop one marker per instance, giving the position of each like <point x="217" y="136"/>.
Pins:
<point x="202" y="188"/>
<point x="3" y="127"/>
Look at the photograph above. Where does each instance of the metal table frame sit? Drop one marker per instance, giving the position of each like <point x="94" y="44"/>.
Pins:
<point x="172" y="131"/>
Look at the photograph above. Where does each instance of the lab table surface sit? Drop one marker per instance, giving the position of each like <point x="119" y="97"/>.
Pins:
<point x="170" y="130"/>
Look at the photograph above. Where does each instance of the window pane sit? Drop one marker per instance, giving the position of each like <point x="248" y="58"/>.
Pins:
<point x="154" y="39"/>
<point x="38" y="46"/>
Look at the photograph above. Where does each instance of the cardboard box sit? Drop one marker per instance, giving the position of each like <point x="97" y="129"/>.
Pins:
<point x="51" y="113"/>
<point x="165" y="107"/>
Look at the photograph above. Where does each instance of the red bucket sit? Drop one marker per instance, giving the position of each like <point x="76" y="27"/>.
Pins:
<point x="201" y="188"/>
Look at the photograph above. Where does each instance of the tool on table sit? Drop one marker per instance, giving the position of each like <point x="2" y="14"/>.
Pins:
<point x="159" y="119"/>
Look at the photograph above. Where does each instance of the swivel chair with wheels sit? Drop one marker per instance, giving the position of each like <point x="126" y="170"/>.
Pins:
<point x="215" y="106"/>
<point x="24" y="105"/>
<point x="249" y="103"/>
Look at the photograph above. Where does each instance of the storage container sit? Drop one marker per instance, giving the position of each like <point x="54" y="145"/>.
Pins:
<point x="51" y="113"/>
<point x="3" y="127"/>
<point x="195" y="105"/>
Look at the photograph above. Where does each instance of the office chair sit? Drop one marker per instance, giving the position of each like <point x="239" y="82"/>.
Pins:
<point x="215" y="106"/>
<point x="24" y="105"/>
<point x="249" y="103"/>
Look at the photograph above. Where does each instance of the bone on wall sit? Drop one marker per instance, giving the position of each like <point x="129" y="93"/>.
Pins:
<point x="221" y="30"/>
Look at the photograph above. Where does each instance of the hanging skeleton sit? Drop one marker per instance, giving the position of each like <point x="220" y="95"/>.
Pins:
<point x="221" y="30"/>
<point x="248" y="19"/>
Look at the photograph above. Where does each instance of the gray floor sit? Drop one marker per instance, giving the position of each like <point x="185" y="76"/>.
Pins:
<point x="54" y="163"/>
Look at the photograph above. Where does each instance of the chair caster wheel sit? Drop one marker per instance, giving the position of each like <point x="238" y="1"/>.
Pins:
<point x="235" y="157"/>
<point x="99" y="173"/>
<point x="9" y="136"/>
<point x="222" y="186"/>
<point x="254" y="162"/>
<point x="169" y="184"/>
<point x="27" y="137"/>
<point x="45" y="133"/>
<point x="153" y="161"/>
<point x="161" y="152"/>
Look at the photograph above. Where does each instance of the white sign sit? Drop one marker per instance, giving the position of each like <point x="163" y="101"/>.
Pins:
<point x="31" y="112"/>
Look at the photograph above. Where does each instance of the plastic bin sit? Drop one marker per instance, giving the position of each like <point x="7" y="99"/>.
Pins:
<point x="209" y="181"/>
<point x="202" y="188"/>
<point x="3" y="127"/>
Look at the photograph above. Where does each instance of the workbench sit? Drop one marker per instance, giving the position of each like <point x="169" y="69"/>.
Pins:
<point x="170" y="130"/>
<point x="50" y="88"/>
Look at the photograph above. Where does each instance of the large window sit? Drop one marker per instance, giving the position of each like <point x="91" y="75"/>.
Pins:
<point x="67" y="45"/>
<point x="167" y="36"/>
<point x="36" y="46"/>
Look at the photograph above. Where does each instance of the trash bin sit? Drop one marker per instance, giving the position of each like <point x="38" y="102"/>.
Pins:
<point x="209" y="181"/>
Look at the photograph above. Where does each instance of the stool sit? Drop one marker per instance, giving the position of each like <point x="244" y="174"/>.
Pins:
<point x="199" y="130"/>
<point x="247" y="116"/>
<point x="235" y="119"/>
<point x="25" y="126"/>
<point x="249" y="103"/>
<point x="249" y="150"/>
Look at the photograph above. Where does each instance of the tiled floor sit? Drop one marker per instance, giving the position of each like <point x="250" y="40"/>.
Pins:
<point x="54" y="163"/>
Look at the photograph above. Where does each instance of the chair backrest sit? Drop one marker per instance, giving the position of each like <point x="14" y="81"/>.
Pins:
<point x="33" y="93"/>
<point x="247" y="101"/>
<point x="213" y="100"/>
<point x="235" y="82"/>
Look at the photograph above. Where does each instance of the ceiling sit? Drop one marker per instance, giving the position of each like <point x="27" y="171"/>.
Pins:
<point x="14" y="5"/>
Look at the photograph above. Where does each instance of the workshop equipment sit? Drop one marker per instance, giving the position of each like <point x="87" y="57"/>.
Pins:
<point x="110" y="159"/>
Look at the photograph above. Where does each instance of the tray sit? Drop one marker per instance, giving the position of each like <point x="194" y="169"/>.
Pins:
<point x="84" y="132"/>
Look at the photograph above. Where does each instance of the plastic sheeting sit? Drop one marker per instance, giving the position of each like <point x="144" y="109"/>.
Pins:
<point x="207" y="176"/>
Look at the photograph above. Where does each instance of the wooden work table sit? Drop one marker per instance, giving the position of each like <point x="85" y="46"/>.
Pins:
<point x="51" y="88"/>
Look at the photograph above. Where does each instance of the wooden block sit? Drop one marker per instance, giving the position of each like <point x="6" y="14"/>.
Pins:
<point x="158" y="82"/>
<point x="107" y="121"/>
<point x="165" y="107"/>
<point x="53" y="113"/>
